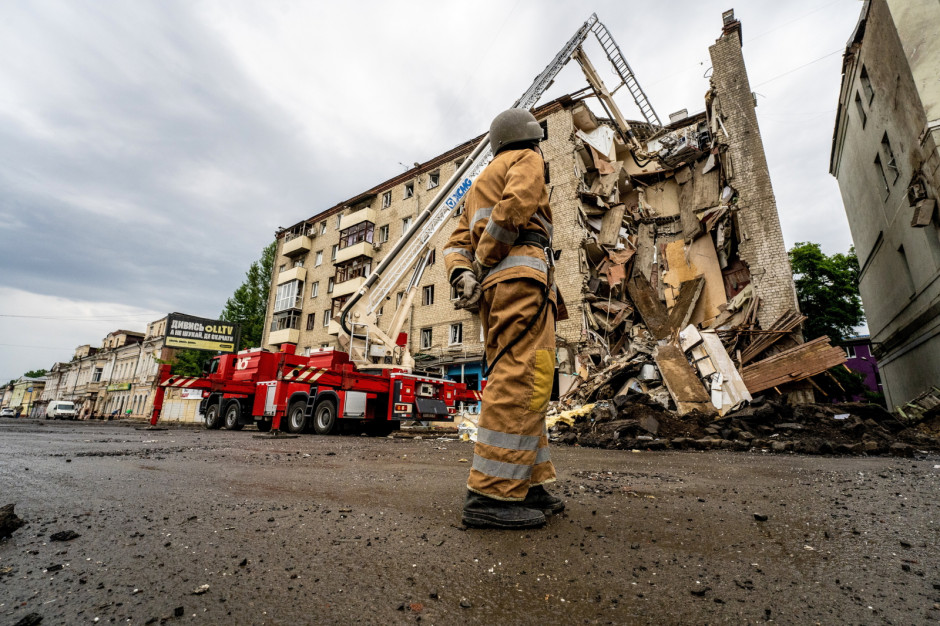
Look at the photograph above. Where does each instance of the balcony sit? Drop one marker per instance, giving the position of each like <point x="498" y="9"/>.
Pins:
<point x="363" y="215"/>
<point x="287" y="335"/>
<point x="363" y="248"/>
<point x="297" y="246"/>
<point x="347" y="287"/>
<point x="294" y="273"/>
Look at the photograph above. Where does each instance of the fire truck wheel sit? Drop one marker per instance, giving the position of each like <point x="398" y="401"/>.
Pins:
<point x="213" y="418"/>
<point x="324" y="418"/>
<point x="297" y="417"/>
<point x="232" y="411"/>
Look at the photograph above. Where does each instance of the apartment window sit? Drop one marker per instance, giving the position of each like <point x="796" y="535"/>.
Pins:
<point x="456" y="334"/>
<point x="281" y="268"/>
<point x="362" y="231"/>
<point x="886" y="189"/>
<point x="333" y="252"/>
<point x="409" y="190"/>
<point x="96" y="377"/>
<point x="299" y="262"/>
<point x="288" y="295"/>
<point x="544" y="126"/>
<point x="432" y="257"/>
<point x="386" y="199"/>
<point x="315" y="289"/>
<point x="319" y="258"/>
<point x="310" y="322"/>
<point x="861" y="109"/>
<point x="285" y="321"/>
<point x="548" y="174"/>
<point x="329" y="285"/>
<point x="907" y="270"/>
<point x="339" y="221"/>
<point x="398" y="298"/>
<point x="434" y="179"/>
<point x="453" y="292"/>
<point x="360" y="267"/>
<point x="850" y="352"/>
<point x="326" y="318"/>
<point x="323" y="346"/>
<point x="405" y="225"/>
<point x="307" y="349"/>
<point x="891" y="166"/>
<point x="338" y="304"/>
<point x="323" y="227"/>
<point x="866" y="85"/>
<point x="459" y="210"/>
<point x="427" y="295"/>
<point x="458" y="163"/>
<point x="426" y="338"/>
<point x="383" y="233"/>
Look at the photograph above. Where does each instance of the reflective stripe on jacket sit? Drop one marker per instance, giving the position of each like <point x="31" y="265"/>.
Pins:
<point x="508" y="197"/>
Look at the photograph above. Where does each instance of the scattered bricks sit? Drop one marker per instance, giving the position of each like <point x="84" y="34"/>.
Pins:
<point x="901" y="449"/>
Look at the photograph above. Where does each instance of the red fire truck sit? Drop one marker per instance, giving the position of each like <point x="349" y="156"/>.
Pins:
<point x="312" y="392"/>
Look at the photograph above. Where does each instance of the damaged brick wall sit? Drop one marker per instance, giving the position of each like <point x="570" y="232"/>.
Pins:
<point x="762" y="246"/>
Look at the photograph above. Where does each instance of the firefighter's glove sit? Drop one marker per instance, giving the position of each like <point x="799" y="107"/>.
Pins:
<point x="480" y="270"/>
<point x="468" y="291"/>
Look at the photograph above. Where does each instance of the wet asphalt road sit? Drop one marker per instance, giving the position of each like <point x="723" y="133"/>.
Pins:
<point x="367" y="530"/>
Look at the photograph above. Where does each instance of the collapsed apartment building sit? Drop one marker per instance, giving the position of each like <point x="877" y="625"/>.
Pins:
<point x="673" y="263"/>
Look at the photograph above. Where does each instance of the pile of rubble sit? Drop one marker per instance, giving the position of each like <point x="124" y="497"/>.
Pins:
<point x="670" y="310"/>
<point x="635" y="422"/>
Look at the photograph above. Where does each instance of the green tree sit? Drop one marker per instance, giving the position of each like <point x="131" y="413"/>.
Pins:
<point x="827" y="289"/>
<point x="190" y="362"/>
<point x="35" y="373"/>
<point x="249" y="303"/>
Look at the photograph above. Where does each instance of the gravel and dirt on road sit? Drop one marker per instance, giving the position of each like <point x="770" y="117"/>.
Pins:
<point x="183" y="525"/>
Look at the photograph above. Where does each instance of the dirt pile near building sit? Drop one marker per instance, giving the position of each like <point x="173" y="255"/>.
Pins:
<point x="635" y="422"/>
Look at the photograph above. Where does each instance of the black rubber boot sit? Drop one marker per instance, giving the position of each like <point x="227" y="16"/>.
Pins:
<point x="539" y="498"/>
<point x="482" y="512"/>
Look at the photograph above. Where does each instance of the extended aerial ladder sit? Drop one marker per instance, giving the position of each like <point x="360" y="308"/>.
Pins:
<point x="368" y="344"/>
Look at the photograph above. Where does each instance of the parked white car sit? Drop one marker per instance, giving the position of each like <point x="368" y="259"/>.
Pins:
<point x="7" y="412"/>
<point x="61" y="409"/>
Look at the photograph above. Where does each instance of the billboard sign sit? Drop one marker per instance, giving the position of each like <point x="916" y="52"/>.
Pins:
<point x="197" y="333"/>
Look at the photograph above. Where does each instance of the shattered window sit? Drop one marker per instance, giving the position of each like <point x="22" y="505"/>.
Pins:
<point x="861" y="109"/>
<point x="383" y="233"/>
<point x="326" y="318"/>
<point x="434" y="179"/>
<point x="386" y="199"/>
<point x="427" y="295"/>
<point x="289" y="320"/>
<point x="319" y="258"/>
<point x="360" y="267"/>
<point x="333" y="252"/>
<point x="323" y="227"/>
<point x="405" y="225"/>
<point x="456" y="333"/>
<point x="866" y="85"/>
<point x="886" y="189"/>
<point x="890" y="164"/>
<point x="356" y="234"/>
<point x="426" y="338"/>
<point x="310" y="321"/>
<point x="544" y="126"/>
<point x="409" y="190"/>
<point x="330" y="284"/>
<point x="315" y="289"/>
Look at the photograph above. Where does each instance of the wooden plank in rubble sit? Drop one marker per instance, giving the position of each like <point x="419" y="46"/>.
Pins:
<point x="647" y="303"/>
<point x="684" y="386"/>
<point x="803" y="361"/>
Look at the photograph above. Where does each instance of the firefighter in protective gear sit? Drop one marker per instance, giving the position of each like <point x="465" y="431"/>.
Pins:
<point x="502" y="246"/>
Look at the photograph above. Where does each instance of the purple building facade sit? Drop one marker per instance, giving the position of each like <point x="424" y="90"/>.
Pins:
<point x="860" y="359"/>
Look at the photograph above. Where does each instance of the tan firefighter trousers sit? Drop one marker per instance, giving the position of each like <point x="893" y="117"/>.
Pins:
<point x="511" y="453"/>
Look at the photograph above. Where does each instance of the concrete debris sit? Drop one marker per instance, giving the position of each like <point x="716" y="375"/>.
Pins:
<point x="9" y="521"/>
<point x="635" y="421"/>
<point x="670" y="308"/>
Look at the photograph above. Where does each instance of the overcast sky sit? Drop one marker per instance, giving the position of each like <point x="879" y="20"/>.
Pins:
<point x="149" y="150"/>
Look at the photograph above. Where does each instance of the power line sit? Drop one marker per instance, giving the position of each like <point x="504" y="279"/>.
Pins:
<point x="798" y="68"/>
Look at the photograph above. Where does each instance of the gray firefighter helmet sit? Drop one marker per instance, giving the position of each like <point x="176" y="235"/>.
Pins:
<point x="512" y="126"/>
